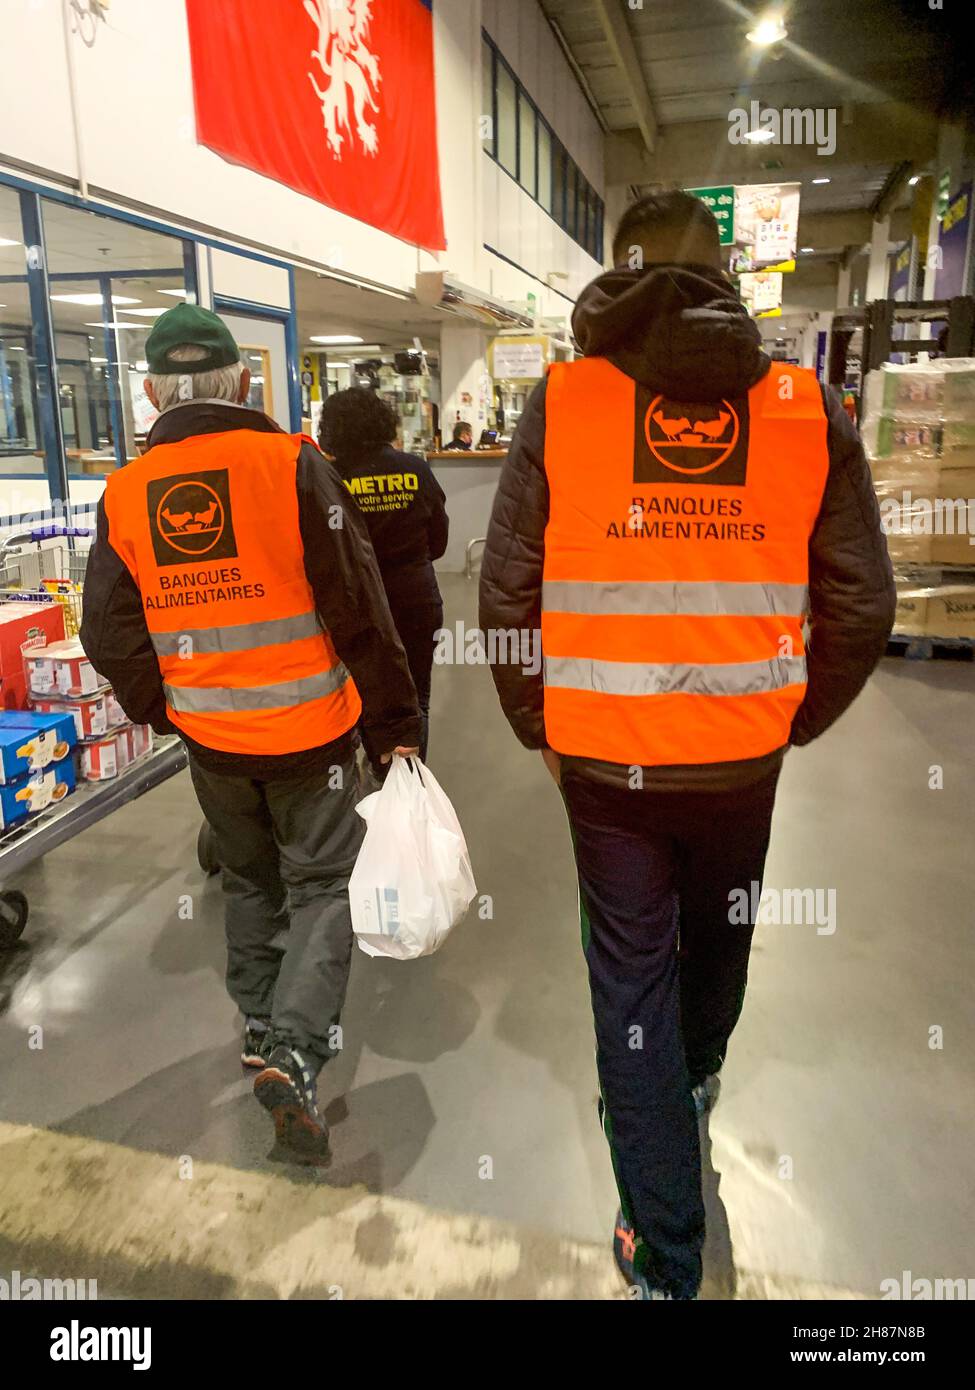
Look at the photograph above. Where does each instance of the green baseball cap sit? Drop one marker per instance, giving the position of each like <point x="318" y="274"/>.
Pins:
<point x="190" y="326"/>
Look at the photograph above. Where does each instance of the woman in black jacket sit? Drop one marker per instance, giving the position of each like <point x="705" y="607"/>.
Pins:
<point x="403" y="507"/>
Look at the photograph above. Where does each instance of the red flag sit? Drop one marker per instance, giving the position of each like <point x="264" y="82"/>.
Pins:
<point x="334" y="98"/>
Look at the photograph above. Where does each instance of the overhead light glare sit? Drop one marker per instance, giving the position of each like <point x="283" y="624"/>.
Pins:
<point x="767" y="31"/>
<point x="92" y="299"/>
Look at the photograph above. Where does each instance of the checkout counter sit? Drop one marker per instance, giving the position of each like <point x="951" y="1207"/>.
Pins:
<point x="469" y="478"/>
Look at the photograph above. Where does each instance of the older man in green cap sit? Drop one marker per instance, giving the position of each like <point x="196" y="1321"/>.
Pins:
<point x="232" y="595"/>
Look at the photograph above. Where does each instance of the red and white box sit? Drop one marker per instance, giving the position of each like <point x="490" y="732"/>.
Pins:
<point x="91" y="715"/>
<point x="109" y="756"/>
<point x="61" y="668"/>
<point x="20" y="625"/>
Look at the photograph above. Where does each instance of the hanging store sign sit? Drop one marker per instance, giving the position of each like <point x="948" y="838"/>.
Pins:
<point x="761" y="293"/>
<point x="721" y="202"/>
<point x="334" y="98"/>
<point x="902" y="270"/>
<point x="954" y="246"/>
<point x="766" y="226"/>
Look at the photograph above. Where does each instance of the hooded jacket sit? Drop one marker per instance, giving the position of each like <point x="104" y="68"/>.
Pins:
<point x="682" y="331"/>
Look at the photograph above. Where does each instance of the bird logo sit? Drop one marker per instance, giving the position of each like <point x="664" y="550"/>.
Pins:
<point x="691" y="438"/>
<point x="190" y="517"/>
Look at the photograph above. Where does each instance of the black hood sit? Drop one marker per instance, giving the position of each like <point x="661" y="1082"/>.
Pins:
<point x="678" y="329"/>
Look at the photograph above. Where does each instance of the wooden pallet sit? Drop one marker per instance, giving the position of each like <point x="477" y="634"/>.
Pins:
<point x="926" y="648"/>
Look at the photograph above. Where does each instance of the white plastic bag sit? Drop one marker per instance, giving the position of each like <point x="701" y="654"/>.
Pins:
<point x="412" y="881"/>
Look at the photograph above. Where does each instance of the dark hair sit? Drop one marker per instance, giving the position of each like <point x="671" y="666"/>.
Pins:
<point x="460" y="427"/>
<point x="354" y="421"/>
<point x="671" y="212"/>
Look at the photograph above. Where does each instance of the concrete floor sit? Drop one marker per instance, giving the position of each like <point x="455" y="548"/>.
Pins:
<point x="485" y="1051"/>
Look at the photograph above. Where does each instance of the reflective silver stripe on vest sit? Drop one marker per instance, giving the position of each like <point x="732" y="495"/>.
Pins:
<point x="218" y="699"/>
<point x="710" y="598"/>
<point x="237" y="637"/>
<point x="673" y="678"/>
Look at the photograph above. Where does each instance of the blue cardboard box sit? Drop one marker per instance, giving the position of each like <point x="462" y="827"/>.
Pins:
<point x="36" y="792"/>
<point x="31" y="742"/>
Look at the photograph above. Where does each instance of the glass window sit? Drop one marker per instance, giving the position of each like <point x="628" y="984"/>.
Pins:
<point x="558" y="182"/>
<point x="597" y="238"/>
<point x="21" y="444"/>
<point x="591" y="201"/>
<point x="109" y="281"/>
<point x="526" y="146"/>
<point x="487" y="97"/>
<point x="544" y="165"/>
<point x="506" y="134"/>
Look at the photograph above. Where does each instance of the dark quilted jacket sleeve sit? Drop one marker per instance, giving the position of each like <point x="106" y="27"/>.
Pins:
<point x="851" y="584"/>
<point x="511" y="572"/>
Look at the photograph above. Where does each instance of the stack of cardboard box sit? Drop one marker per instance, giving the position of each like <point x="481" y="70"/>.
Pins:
<point x="919" y="433"/>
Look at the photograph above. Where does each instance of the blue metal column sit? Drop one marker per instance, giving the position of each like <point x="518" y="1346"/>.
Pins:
<point x="7" y="395"/>
<point x="291" y="349"/>
<point x="112" y="377"/>
<point x="48" y="403"/>
<point x="190" y="279"/>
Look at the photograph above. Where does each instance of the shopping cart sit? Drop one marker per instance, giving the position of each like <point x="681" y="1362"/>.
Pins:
<point x="44" y="565"/>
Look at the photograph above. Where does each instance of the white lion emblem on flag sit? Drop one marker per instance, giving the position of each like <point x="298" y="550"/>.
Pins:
<point x="348" y="66"/>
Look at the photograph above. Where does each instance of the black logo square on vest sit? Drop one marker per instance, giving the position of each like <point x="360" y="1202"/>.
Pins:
<point x="687" y="442"/>
<point x="190" y="518"/>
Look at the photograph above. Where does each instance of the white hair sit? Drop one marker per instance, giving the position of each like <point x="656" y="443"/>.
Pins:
<point x="221" y="384"/>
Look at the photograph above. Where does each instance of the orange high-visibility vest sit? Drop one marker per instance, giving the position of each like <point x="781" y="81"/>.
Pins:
<point x="208" y="529"/>
<point x="676" y="565"/>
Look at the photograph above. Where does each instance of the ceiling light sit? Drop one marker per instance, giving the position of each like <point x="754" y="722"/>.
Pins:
<point x="177" y="294"/>
<point x="806" y="250"/>
<point x="767" y="31"/>
<point x="116" y="324"/>
<point x="760" y="136"/>
<point x="5" y="241"/>
<point x="335" y="338"/>
<point x="820" y="180"/>
<point x="148" y="313"/>
<point x="92" y="299"/>
<point x="102" y="361"/>
<point x="914" y="179"/>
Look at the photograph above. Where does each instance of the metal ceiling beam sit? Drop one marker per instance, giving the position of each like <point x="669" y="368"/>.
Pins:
<point x="699" y="153"/>
<point x="623" y="49"/>
<point x="892" y="189"/>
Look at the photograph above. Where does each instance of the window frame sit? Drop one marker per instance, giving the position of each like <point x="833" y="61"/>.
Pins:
<point x="565" y="173"/>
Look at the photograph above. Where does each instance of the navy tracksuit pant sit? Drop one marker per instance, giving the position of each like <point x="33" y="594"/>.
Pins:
<point x="667" y="973"/>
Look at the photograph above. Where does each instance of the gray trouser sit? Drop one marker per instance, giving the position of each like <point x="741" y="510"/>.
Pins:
<point x="287" y="848"/>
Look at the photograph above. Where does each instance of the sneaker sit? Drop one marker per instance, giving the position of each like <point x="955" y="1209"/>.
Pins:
<point x="286" y="1088"/>
<point x="706" y="1095"/>
<point x="258" y="1042"/>
<point x="625" y="1242"/>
